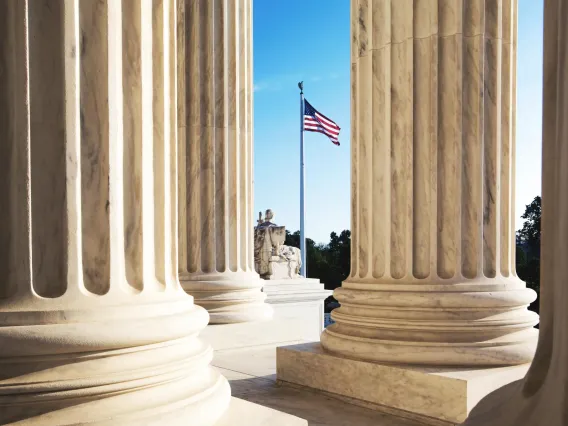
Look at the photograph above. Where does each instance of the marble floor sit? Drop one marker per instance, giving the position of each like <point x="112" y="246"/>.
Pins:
<point x="252" y="373"/>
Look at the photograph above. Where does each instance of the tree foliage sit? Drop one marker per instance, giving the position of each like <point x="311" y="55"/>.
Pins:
<point x="528" y="247"/>
<point x="329" y="262"/>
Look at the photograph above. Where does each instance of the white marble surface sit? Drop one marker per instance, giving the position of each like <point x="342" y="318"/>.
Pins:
<point x="268" y="238"/>
<point x="95" y="327"/>
<point x="244" y="413"/>
<point x="286" y="265"/>
<point x="292" y="322"/>
<point x="437" y="396"/>
<point x="433" y="276"/>
<point x="216" y="258"/>
<point x="542" y="397"/>
<point x="295" y="290"/>
<point x="257" y="361"/>
<point x="317" y="408"/>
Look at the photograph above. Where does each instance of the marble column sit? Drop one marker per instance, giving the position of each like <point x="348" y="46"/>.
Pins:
<point x="94" y="325"/>
<point x="216" y="162"/>
<point x="433" y="278"/>
<point x="542" y="397"/>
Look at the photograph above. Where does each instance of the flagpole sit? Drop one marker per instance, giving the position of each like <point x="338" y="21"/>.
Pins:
<point x="302" y="184"/>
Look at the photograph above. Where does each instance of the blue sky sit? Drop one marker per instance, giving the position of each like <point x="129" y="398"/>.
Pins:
<point x="296" y="40"/>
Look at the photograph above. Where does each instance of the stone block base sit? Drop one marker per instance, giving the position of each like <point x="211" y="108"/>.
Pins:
<point x="298" y="317"/>
<point x="437" y="396"/>
<point x="244" y="413"/>
<point x="290" y="324"/>
<point x="295" y="290"/>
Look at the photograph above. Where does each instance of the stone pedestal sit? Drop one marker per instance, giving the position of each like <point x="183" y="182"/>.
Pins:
<point x="298" y="317"/>
<point x="216" y="159"/>
<point x="95" y="327"/>
<point x="286" y="268"/>
<point x="295" y="290"/>
<point x="431" y="395"/>
<point x="302" y="299"/>
<point x="433" y="279"/>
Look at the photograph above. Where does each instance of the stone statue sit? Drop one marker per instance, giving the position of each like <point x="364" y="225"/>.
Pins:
<point x="272" y="259"/>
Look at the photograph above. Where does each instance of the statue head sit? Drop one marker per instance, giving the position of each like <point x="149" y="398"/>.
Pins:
<point x="268" y="216"/>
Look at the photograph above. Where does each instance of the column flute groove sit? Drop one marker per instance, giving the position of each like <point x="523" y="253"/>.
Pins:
<point x="541" y="397"/>
<point x="432" y="279"/>
<point x="217" y="263"/>
<point x="95" y="326"/>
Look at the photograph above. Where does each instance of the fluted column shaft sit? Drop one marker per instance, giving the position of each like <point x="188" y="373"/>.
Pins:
<point x="542" y="397"/>
<point x="216" y="162"/>
<point x="433" y="276"/>
<point x="94" y="325"/>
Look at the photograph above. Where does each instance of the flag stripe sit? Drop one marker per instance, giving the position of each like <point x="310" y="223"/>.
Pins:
<point x="319" y="127"/>
<point x="321" y="130"/>
<point x="332" y="139"/>
<point x="326" y="120"/>
<point x="323" y="123"/>
<point x="314" y="126"/>
<point x="334" y="129"/>
<point x="314" y="121"/>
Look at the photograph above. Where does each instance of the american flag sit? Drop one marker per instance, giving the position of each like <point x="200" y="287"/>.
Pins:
<point x="315" y="121"/>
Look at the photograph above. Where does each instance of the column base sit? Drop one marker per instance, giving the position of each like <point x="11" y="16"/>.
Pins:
<point x="228" y="297"/>
<point x="436" y="396"/>
<point x="171" y="403"/>
<point x="295" y="290"/>
<point x="125" y="364"/>
<point x="477" y="323"/>
<point x="298" y="317"/>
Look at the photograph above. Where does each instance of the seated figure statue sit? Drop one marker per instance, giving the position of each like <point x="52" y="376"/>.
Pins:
<point x="272" y="259"/>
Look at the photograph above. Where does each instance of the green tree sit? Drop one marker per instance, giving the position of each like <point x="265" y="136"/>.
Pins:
<point x="330" y="263"/>
<point x="530" y="232"/>
<point x="528" y="247"/>
<point x="315" y="257"/>
<point x="339" y="257"/>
